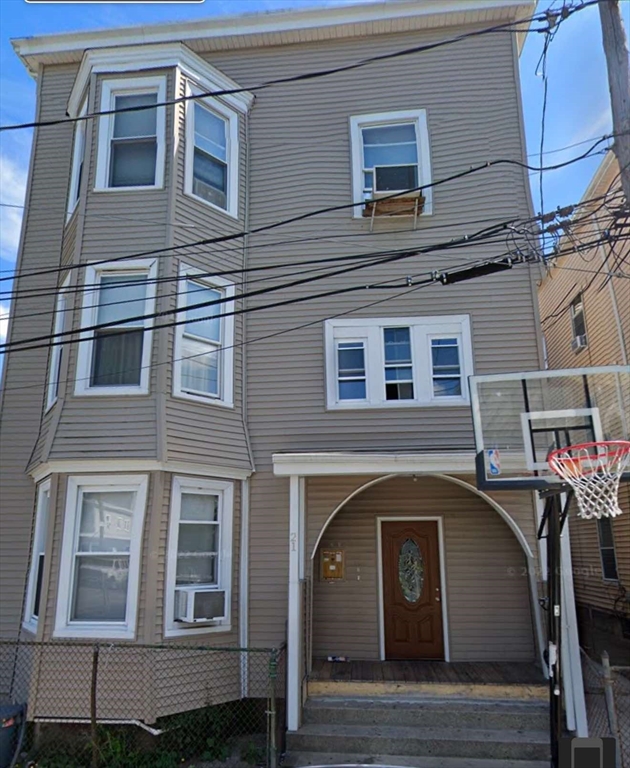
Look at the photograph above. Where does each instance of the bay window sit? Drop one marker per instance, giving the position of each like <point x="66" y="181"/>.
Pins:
<point x="100" y="559"/>
<point x="115" y="359"/>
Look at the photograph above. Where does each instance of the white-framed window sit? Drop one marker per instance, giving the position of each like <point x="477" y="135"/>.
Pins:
<point x="131" y="143"/>
<point x="35" y="601"/>
<point x="607" y="549"/>
<point x="396" y="144"/>
<point x="398" y="362"/>
<point x="115" y="360"/>
<point x="99" y="575"/>
<point x="78" y="160"/>
<point x="578" y="323"/>
<point x="212" y="149"/>
<point x="204" y="344"/>
<point x="56" y="353"/>
<point x="199" y="553"/>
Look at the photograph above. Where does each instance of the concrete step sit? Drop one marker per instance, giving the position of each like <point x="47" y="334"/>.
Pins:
<point x="415" y="741"/>
<point x="298" y="759"/>
<point x="441" y="713"/>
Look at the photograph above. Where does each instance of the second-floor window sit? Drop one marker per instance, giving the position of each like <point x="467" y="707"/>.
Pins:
<point x="578" y="323"/>
<point x="115" y="359"/>
<point x="56" y="352"/>
<point x="131" y="141"/>
<point x="204" y="341"/>
<point x="390" y="362"/>
<point x="212" y="153"/>
<point x="390" y="153"/>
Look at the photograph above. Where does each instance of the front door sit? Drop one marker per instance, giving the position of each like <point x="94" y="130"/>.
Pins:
<point x="412" y="596"/>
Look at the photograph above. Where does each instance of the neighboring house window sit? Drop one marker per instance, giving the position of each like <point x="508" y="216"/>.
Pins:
<point x="100" y="557"/>
<point x="78" y="158"/>
<point x="116" y="359"/>
<point x="204" y="343"/>
<point x="398" y="362"/>
<point x="34" y="600"/>
<point x="199" y="568"/>
<point x="56" y="354"/>
<point x="397" y="145"/>
<point x="212" y="153"/>
<point x="607" y="549"/>
<point x="131" y="142"/>
<point x="578" y="323"/>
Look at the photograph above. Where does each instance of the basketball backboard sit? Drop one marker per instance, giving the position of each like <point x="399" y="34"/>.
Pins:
<point x="519" y="417"/>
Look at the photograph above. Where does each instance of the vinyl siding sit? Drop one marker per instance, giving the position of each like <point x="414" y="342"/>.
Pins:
<point x="300" y="160"/>
<point x="200" y="432"/>
<point x="24" y="377"/>
<point x="487" y="593"/>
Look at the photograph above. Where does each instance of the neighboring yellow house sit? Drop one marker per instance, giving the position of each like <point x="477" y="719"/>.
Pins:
<point x="585" y="313"/>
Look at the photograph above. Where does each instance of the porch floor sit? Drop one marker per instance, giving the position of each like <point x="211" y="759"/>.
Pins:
<point x="462" y="672"/>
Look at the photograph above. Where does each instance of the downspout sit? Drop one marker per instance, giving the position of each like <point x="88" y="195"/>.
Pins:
<point x="243" y="580"/>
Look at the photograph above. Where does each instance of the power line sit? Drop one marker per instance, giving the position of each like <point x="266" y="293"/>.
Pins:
<point x="547" y="16"/>
<point x="307" y="215"/>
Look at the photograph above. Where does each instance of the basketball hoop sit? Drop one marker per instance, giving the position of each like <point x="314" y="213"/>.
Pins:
<point x="593" y="470"/>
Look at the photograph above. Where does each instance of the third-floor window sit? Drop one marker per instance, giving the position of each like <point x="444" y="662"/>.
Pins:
<point x="131" y="141"/>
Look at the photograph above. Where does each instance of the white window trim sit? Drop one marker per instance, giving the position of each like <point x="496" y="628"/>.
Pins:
<point x="231" y="117"/>
<point x="78" y="158"/>
<point x="357" y="122"/>
<point x="226" y="368"/>
<point x="423" y="329"/>
<point x="125" y="86"/>
<point x="43" y="493"/>
<point x="605" y="578"/>
<point x="125" y="630"/>
<point x="54" y="370"/>
<point x="88" y="319"/>
<point x="225" y="492"/>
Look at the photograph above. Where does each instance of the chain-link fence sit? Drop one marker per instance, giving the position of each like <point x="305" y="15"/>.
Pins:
<point x="111" y="705"/>
<point x="607" y="691"/>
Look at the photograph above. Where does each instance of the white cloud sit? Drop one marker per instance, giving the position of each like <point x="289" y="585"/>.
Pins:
<point x="13" y="187"/>
<point x="4" y="322"/>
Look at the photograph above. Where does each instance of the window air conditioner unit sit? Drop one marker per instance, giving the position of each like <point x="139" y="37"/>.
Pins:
<point x="393" y="179"/>
<point x="579" y="342"/>
<point x="194" y="605"/>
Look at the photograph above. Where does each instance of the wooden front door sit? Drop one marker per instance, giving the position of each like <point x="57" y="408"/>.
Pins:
<point x="412" y="599"/>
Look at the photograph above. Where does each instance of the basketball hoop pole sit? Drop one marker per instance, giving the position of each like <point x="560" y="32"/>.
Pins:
<point x="554" y="517"/>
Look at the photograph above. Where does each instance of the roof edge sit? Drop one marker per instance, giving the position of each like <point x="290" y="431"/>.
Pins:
<point x="270" y="27"/>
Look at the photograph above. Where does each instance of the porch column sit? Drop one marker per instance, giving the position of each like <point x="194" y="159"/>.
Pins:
<point x="295" y="630"/>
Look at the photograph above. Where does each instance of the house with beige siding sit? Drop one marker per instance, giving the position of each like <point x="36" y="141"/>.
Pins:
<point x="191" y="466"/>
<point x="586" y="322"/>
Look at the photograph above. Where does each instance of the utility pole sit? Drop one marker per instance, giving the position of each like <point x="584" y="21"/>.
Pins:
<point x="618" y="64"/>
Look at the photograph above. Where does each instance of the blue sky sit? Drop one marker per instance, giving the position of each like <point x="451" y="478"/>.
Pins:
<point x="578" y="102"/>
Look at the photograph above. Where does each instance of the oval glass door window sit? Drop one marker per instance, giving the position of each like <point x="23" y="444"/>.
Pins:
<point x="411" y="571"/>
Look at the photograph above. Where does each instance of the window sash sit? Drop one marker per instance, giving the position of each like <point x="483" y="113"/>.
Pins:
<point x="121" y="140"/>
<point x="367" y="166"/>
<point x="78" y="160"/>
<point x="446" y="373"/>
<point x="208" y="152"/>
<point x="577" y="317"/>
<point x="350" y="375"/>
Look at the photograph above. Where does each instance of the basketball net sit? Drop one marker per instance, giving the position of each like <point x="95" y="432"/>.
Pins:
<point x="594" y="471"/>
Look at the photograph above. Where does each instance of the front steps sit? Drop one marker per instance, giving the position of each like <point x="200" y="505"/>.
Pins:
<point x="421" y="733"/>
